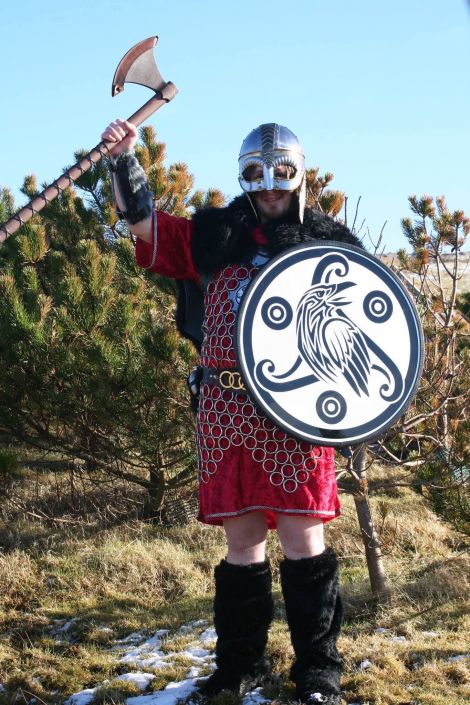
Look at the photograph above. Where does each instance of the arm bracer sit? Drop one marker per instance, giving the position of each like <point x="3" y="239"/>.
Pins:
<point x="132" y="183"/>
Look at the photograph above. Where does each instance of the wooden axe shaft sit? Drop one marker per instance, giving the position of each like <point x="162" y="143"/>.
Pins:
<point x="101" y="150"/>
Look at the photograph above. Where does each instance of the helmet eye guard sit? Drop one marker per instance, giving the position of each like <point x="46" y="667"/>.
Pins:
<point x="254" y="173"/>
<point x="284" y="174"/>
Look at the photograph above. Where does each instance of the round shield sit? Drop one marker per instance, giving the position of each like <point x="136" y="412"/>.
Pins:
<point x="329" y="343"/>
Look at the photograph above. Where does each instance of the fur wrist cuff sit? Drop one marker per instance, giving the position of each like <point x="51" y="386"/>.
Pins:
<point x="133" y="187"/>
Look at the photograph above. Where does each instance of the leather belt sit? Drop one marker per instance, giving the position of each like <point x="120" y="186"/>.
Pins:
<point x="228" y="378"/>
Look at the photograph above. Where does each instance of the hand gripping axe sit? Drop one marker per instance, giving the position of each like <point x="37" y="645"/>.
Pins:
<point x="137" y="66"/>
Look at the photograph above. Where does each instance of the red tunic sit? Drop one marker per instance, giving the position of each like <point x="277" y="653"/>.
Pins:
<point x="246" y="463"/>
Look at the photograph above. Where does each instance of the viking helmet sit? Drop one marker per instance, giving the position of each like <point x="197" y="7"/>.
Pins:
<point x="270" y="146"/>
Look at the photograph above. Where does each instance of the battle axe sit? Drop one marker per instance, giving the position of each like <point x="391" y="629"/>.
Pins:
<point x="137" y="66"/>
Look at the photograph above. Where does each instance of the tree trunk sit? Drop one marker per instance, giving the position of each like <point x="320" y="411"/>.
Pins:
<point x="156" y="490"/>
<point x="377" y="576"/>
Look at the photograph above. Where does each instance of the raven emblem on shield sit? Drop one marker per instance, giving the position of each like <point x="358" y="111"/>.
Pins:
<point x="329" y="341"/>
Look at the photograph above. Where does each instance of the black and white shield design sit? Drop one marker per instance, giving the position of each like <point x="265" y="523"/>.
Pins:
<point x="329" y="343"/>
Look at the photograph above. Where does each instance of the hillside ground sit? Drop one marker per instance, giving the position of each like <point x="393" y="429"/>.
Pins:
<point x="75" y="581"/>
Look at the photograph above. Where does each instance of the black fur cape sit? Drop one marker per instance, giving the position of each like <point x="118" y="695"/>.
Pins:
<point x="223" y="236"/>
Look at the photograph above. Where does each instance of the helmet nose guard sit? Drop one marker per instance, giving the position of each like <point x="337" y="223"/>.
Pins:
<point x="267" y="147"/>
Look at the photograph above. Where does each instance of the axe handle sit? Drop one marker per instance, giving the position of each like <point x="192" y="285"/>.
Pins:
<point x="160" y="98"/>
<point x="53" y="190"/>
<point x="22" y="216"/>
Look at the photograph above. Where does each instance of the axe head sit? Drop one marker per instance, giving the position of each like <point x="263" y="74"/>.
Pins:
<point x="138" y="66"/>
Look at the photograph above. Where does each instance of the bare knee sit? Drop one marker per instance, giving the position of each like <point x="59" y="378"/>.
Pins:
<point x="246" y="538"/>
<point x="300" y="537"/>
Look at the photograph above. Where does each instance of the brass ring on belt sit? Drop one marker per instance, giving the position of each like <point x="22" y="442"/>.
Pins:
<point x="231" y="379"/>
<point x="228" y="378"/>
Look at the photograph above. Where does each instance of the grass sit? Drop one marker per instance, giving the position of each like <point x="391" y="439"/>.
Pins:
<point x="463" y="282"/>
<point x="67" y="593"/>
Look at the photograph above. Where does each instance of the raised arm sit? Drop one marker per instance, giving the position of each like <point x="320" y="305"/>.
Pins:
<point x="134" y="199"/>
<point x="163" y="241"/>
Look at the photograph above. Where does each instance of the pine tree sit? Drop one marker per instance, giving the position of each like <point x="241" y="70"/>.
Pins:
<point x="319" y="196"/>
<point x="93" y="368"/>
<point x="433" y="438"/>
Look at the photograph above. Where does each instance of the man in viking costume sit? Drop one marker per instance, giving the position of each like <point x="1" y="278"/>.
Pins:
<point x="253" y="476"/>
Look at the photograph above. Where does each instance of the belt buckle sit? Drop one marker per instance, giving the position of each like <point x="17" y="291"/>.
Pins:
<point x="231" y="379"/>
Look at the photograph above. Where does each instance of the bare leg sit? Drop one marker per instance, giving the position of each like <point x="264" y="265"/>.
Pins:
<point x="246" y="538"/>
<point x="300" y="537"/>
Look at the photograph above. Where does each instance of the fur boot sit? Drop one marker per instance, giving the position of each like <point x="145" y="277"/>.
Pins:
<point x="243" y="610"/>
<point x="314" y="615"/>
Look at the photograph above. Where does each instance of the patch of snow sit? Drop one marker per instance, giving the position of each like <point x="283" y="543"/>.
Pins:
<point x="195" y="654"/>
<point x="172" y="693"/>
<point x="430" y="635"/>
<point x="133" y="638"/>
<point x="136" y="657"/>
<point x="105" y="630"/>
<point x="155" y="661"/>
<point x="82" y="698"/>
<point x="157" y="664"/>
<point x="65" y="628"/>
<point x="156" y="639"/>
<point x="192" y="626"/>
<point x="399" y="639"/>
<point x="460" y="657"/>
<point x="208" y="635"/>
<point x="141" y="680"/>
<point x="136" y="637"/>
<point x="379" y="630"/>
<point x="254" y="697"/>
<point x="365" y="664"/>
<point x="193" y="672"/>
<point x="147" y="654"/>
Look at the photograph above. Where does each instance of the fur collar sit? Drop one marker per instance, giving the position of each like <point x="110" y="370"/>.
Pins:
<point x="222" y="236"/>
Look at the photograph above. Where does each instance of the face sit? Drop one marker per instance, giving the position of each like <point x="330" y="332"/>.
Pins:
<point x="270" y="204"/>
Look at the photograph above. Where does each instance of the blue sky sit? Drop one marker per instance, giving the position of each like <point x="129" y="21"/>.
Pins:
<point x="377" y="92"/>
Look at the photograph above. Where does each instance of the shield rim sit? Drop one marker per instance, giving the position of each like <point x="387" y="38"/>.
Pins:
<point x="322" y="440"/>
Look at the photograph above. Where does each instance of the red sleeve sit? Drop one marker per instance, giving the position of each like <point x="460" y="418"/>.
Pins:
<point x="169" y="253"/>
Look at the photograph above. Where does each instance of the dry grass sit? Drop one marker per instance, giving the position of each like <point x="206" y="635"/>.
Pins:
<point x="463" y="283"/>
<point x="415" y="666"/>
<point x="135" y="576"/>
